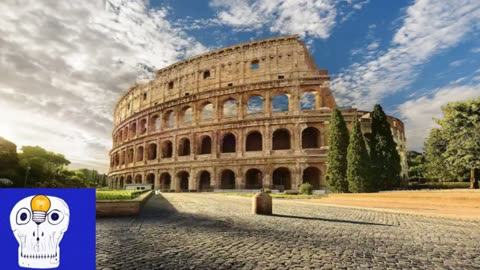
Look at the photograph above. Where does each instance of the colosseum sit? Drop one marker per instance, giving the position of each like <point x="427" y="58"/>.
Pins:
<point x="243" y="117"/>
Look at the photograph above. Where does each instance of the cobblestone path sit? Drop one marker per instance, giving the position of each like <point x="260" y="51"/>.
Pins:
<point x="213" y="231"/>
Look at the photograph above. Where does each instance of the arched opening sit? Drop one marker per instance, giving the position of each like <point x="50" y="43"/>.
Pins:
<point x="227" y="180"/>
<point x="138" y="179"/>
<point x="254" y="179"/>
<point x="129" y="179"/>
<point x="168" y="119"/>
<point x="281" y="139"/>
<point x="115" y="183"/>
<point x="230" y="108"/>
<point x="229" y="143"/>
<point x="282" y="179"/>
<point x="310" y="138"/>
<point x="204" y="181"/>
<point x="182" y="178"/>
<point x="122" y="157"/>
<point x="152" y="151"/>
<point x="184" y="147"/>
<point x="125" y="134"/>
<point x="254" y="141"/>
<point x="140" y="153"/>
<point x="155" y="123"/>
<point x="130" y="155"/>
<point x="167" y="149"/>
<point x="280" y="103"/>
<point x="133" y="130"/>
<point x="255" y="105"/>
<point x="117" y="159"/>
<point x="187" y="113"/>
<point x="151" y="179"/>
<point x="165" y="181"/>
<point x="206" y="145"/>
<point x="312" y="175"/>
<point x="143" y="126"/>
<point x="121" y="184"/>
<point x="120" y="135"/>
<point x="207" y="111"/>
<point x="308" y="101"/>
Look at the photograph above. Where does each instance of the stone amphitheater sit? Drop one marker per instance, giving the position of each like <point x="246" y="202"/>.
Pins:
<point x="243" y="117"/>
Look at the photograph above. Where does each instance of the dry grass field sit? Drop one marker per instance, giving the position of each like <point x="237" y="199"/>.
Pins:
<point x="463" y="204"/>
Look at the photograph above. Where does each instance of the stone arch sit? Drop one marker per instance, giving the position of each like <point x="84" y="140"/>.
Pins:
<point x="230" y="107"/>
<point x="281" y="139"/>
<point x="281" y="103"/>
<point x="151" y="179"/>
<point x="312" y="175"/>
<point x="229" y="143"/>
<point x="207" y="111"/>
<point x="155" y="122"/>
<point x="129" y="155"/>
<point x="204" y="181"/>
<point x="184" y="147"/>
<point x="282" y="179"/>
<point x="121" y="184"/>
<point x="165" y="181"/>
<point x="152" y="151"/>
<point x="255" y="104"/>
<point x="169" y="119"/>
<point x="253" y="179"/>
<point x="120" y="135"/>
<point x="227" y="179"/>
<point x="254" y="141"/>
<point x="205" y="145"/>
<point x="143" y="126"/>
<point x="133" y="130"/>
<point x="125" y="134"/>
<point x="310" y="100"/>
<point x="186" y="115"/>
<point x="129" y="179"/>
<point x="140" y="151"/>
<point x="182" y="180"/>
<point x="138" y="179"/>
<point x="167" y="149"/>
<point x="310" y="138"/>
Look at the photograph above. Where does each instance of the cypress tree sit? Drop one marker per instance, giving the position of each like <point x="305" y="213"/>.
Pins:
<point x="337" y="153"/>
<point x="358" y="161"/>
<point x="383" y="152"/>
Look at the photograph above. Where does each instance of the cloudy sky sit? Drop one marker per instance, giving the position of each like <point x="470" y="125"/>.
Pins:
<point x="64" y="64"/>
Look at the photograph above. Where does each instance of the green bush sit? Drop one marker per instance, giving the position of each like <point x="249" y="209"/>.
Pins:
<point x="306" y="188"/>
<point x="118" y="194"/>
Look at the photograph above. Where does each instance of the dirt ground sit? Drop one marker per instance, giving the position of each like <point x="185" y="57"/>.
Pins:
<point x="463" y="204"/>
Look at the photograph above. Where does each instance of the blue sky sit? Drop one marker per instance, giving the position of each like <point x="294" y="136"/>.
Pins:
<point x="65" y="64"/>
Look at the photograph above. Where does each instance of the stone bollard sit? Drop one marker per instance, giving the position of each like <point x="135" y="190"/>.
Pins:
<point x="262" y="204"/>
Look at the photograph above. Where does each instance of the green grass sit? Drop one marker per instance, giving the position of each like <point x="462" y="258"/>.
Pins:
<point x="279" y="195"/>
<point x="118" y="194"/>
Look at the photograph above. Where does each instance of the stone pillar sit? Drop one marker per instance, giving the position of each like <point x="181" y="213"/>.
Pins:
<point x="262" y="204"/>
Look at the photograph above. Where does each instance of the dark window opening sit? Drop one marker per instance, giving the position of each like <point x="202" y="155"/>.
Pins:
<point x="206" y="74"/>
<point x="170" y="85"/>
<point x="310" y="138"/>
<point x="255" y="64"/>
<point x="229" y="143"/>
<point x="206" y="146"/>
<point x="144" y="96"/>
<point x="254" y="141"/>
<point x="282" y="179"/>
<point x="228" y="180"/>
<point x="281" y="77"/>
<point x="281" y="139"/>
<point x="230" y="84"/>
<point x="186" y="94"/>
<point x="254" y="179"/>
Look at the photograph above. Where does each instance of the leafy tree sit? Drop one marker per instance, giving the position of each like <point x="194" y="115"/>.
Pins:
<point x="40" y="165"/>
<point x="337" y="153"/>
<point x="416" y="165"/>
<point x="383" y="152"/>
<point x="9" y="161"/>
<point x="358" y="161"/>
<point x="459" y="131"/>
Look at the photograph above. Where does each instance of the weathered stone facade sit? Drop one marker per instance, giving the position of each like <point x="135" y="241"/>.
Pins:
<point x="231" y="118"/>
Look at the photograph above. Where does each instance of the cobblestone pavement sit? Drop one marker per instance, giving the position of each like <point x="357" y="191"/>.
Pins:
<point x="213" y="231"/>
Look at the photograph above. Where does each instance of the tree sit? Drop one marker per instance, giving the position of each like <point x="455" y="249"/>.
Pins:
<point x="9" y="161"/>
<point x="337" y="153"/>
<point x="416" y="165"/>
<point x="460" y="130"/>
<point x="358" y="161"/>
<point x="383" y="152"/>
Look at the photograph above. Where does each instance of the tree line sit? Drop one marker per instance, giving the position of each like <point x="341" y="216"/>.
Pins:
<point x="452" y="150"/>
<point x="37" y="167"/>
<point x="359" y="162"/>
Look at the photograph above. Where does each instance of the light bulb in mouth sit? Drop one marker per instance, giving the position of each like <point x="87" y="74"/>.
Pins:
<point x="40" y="205"/>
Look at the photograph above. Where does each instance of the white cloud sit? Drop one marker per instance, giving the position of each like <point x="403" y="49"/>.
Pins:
<point x="456" y="63"/>
<point x="315" y="18"/>
<point x="429" y="27"/>
<point x="418" y="114"/>
<point x="63" y="65"/>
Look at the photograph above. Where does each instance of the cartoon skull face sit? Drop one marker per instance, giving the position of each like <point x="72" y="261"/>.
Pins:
<point x="38" y="223"/>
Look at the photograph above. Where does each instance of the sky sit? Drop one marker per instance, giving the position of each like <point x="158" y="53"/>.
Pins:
<point x="64" y="64"/>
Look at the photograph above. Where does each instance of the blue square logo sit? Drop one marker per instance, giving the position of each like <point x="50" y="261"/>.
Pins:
<point x="47" y="228"/>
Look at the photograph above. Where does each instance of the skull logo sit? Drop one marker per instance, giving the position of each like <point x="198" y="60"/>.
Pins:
<point x="38" y="223"/>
